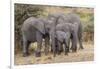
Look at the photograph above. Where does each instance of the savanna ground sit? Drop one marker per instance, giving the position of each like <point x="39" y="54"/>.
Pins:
<point x="87" y="54"/>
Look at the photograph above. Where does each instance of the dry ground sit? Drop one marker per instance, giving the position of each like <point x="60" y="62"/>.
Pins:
<point x="81" y="55"/>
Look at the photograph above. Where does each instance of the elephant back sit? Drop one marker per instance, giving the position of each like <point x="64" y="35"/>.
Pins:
<point x="63" y="27"/>
<point x="68" y="18"/>
<point x="33" y="23"/>
<point x="72" y="18"/>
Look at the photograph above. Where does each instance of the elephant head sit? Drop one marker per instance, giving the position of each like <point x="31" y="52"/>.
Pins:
<point x="62" y="38"/>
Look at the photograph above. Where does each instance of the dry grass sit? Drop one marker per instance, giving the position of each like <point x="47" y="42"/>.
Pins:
<point x="81" y="55"/>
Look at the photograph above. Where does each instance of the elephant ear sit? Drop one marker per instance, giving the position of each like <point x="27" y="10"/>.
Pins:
<point x="40" y="27"/>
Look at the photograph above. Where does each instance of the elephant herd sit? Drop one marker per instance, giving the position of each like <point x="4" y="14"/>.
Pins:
<point x="57" y="30"/>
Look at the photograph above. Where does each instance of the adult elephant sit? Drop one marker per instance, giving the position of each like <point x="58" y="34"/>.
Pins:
<point x="34" y="30"/>
<point x="73" y="19"/>
<point x="71" y="32"/>
<point x="62" y="18"/>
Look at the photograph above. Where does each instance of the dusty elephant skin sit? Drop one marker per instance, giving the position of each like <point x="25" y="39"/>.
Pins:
<point x="62" y="38"/>
<point x="33" y="30"/>
<point x="69" y="30"/>
<point x="75" y="20"/>
<point x="68" y="18"/>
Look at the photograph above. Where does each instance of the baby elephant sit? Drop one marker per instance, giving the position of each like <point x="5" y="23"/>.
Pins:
<point x="60" y="39"/>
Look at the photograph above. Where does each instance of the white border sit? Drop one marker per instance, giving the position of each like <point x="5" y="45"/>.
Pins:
<point x="73" y="3"/>
<point x="78" y="3"/>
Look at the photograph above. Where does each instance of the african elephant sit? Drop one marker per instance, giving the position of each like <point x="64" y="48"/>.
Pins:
<point x="62" y="18"/>
<point x="73" y="18"/>
<point x="34" y="30"/>
<point x="61" y="38"/>
<point x="72" y="30"/>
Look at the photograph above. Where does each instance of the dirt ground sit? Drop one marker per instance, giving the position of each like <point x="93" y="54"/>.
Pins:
<point x="87" y="54"/>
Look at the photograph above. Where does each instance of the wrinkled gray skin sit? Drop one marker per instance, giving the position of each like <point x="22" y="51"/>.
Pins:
<point x="75" y="20"/>
<point x="62" y="38"/>
<point x="70" y="29"/>
<point x="69" y="18"/>
<point x="34" y="30"/>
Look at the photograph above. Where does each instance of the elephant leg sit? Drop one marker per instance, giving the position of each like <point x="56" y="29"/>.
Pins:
<point x="66" y="48"/>
<point x="80" y="37"/>
<point x="52" y="37"/>
<point x="25" y="46"/>
<point x="53" y="46"/>
<point x="56" y="46"/>
<point x="74" y="42"/>
<point x="39" y="44"/>
<point x="51" y="49"/>
<point x="46" y="44"/>
<point x="71" y="41"/>
<point x="59" y="47"/>
<point x="71" y="44"/>
<point x="68" y="45"/>
<point x="80" y="41"/>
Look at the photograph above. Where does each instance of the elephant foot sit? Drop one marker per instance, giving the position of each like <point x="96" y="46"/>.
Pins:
<point x="74" y="50"/>
<point x="68" y="50"/>
<point x="25" y="54"/>
<point x="38" y="54"/>
<point x="81" y="47"/>
<point x="59" y="53"/>
<point x="51" y="50"/>
<point x="71" y="48"/>
<point x="61" y="50"/>
<point x="66" y="53"/>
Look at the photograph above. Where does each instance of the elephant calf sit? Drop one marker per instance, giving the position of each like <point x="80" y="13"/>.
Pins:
<point x="62" y="38"/>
